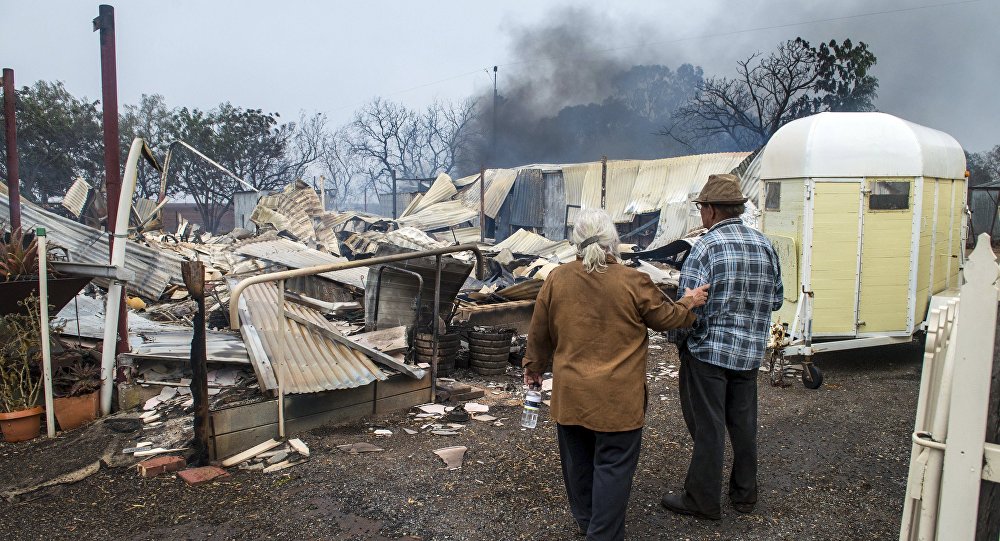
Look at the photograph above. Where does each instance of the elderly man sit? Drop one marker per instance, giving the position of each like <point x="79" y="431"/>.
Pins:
<point x="720" y="356"/>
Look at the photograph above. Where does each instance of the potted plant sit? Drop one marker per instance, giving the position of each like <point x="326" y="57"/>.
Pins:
<point x="20" y="381"/>
<point x="77" y="386"/>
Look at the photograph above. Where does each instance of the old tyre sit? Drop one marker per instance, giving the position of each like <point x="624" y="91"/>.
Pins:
<point x="488" y="350"/>
<point x="491" y="336"/>
<point x="488" y="358"/>
<point x="812" y="377"/>
<point x="480" y="364"/>
<point x="442" y="351"/>
<point x="490" y="371"/>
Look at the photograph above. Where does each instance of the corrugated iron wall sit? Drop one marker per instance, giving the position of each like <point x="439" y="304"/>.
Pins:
<point x="554" y="214"/>
<point x="983" y="207"/>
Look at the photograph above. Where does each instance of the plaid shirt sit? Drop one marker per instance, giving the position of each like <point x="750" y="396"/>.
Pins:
<point x="742" y="268"/>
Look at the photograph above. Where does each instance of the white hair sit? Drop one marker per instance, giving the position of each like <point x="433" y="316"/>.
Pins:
<point x="597" y="223"/>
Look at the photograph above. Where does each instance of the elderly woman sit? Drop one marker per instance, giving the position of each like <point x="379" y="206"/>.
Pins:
<point x="590" y="326"/>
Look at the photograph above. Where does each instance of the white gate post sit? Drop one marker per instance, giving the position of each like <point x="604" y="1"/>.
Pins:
<point x="963" y="459"/>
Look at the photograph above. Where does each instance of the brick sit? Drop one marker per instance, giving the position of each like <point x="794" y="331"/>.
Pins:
<point x="159" y="465"/>
<point x="453" y="387"/>
<point x="198" y="476"/>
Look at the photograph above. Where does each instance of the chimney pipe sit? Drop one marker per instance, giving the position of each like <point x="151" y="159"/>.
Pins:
<point x="10" y="126"/>
<point x="105" y="23"/>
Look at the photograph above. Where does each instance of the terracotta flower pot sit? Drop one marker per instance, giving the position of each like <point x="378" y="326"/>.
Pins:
<point x="75" y="411"/>
<point x="21" y="425"/>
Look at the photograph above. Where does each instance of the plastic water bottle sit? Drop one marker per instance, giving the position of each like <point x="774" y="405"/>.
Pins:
<point x="532" y="402"/>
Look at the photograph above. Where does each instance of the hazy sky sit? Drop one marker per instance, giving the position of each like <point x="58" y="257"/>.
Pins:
<point x="937" y="65"/>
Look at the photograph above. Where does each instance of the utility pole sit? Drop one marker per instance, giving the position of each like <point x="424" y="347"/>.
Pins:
<point x="604" y="181"/>
<point x="493" y="144"/>
<point x="105" y="23"/>
<point x="13" y="181"/>
<point x="393" y="193"/>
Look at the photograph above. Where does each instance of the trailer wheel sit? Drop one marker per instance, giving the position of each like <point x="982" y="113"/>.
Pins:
<point x="812" y="377"/>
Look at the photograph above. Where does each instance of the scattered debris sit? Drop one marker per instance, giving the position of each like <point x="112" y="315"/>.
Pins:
<point x="299" y="446"/>
<point x="452" y="456"/>
<point x="160" y="465"/>
<point x="361" y="447"/>
<point x="250" y="453"/>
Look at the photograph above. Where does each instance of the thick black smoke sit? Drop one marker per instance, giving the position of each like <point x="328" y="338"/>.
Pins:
<point x="582" y="87"/>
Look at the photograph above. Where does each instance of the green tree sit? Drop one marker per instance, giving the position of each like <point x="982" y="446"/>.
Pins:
<point x="58" y="139"/>
<point x="253" y="145"/>
<point x="794" y="81"/>
<point x="153" y="121"/>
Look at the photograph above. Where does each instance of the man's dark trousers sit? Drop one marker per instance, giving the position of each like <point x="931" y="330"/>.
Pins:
<point x="716" y="399"/>
<point x="598" y="469"/>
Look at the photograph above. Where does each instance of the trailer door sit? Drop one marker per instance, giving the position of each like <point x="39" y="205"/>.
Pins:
<point x="887" y="255"/>
<point x="835" y="251"/>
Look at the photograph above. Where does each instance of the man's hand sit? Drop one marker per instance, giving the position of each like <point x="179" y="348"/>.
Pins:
<point x="533" y="379"/>
<point x="698" y="295"/>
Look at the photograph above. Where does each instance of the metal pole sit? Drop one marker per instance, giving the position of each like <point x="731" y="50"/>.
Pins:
<point x="281" y="358"/>
<point x="482" y="205"/>
<point x="43" y="310"/>
<point x="393" y="195"/>
<point x="493" y="145"/>
<point x="10" y="127"/>
<point x="604" y="181"/>
<point x="105" y="23"/>
<point x="434" y="344"/>
<point x="322" y="192"/>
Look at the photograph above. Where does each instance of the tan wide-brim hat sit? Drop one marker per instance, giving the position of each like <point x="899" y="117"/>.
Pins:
<point x="721" y="190"/>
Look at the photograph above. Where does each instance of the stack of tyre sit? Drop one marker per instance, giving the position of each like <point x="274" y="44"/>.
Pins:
<point x="423" y="348"/>
<point x="489" y="350"/>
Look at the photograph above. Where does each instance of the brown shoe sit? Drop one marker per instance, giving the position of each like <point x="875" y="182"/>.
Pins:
<point x="744" y="507"/>
<point x="675" y="503"/>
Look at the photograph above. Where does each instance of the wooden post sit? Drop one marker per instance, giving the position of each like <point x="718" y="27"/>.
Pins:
<point x="988" y="527"/>
<point x="194" y="279"/>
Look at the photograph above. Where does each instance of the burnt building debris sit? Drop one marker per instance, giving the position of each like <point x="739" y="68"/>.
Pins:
<point x="358" y="300"/>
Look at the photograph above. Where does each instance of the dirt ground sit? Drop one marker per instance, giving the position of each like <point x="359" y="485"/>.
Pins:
<point x="833" y="465"/>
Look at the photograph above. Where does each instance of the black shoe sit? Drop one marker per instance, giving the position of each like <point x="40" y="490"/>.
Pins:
<point x="744" y="507"/>
<point x="675" y="503"/>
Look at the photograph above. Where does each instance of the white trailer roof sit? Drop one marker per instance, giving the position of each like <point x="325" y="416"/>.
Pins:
<point x="860" y="145"/>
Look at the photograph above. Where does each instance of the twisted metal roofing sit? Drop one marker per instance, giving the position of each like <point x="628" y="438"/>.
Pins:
<point x="297" y="256"/>
<point x="312" y="362"/>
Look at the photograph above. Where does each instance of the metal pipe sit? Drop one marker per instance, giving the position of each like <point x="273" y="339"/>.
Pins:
<point x="482" y="205"/>
<point x="10" y="130"/>
<point x="237" y="290"/>
<point x="105" y="23"/>
<point x="604" y="181"/>
<point x="434" y="344"/>
<point x="116" y="292"/>
<point x="43" y="311"/>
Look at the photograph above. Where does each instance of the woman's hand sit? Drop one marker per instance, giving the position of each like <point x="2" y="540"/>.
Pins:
<point x="698" y="295"/>
<point x="533" y="380"/>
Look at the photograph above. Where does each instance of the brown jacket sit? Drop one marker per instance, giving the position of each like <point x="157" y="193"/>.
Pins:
<point x="591" y="329"/>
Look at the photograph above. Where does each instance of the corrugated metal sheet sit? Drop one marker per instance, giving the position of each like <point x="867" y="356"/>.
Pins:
<point x="498" y="185"/>
<point x="149" y="338"/>
<point x="983" y="206"/>
<point x="313" y="362"/>
<point x="154" y="269"/>
<point x="574" y="178"/>
<point x="683" y="177"/>
<point x="526" y="242"/>
<point x="76" y="197"/>
<point x="527" y="199"/>
<point x="243" y="205"/>
<point x="296" y="256"/>
<point x="618" y="188"/>
<point x="437" y="216"/>
<point x="461" y="235"/>
<point x="441" y="190"/>
<point x="465" y="181"/>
